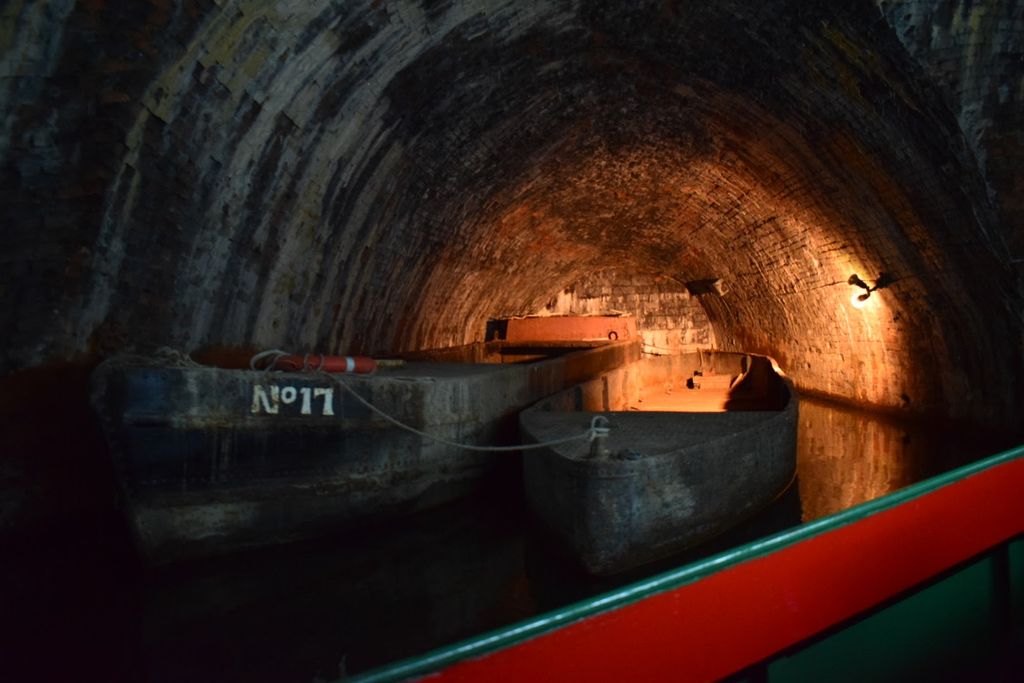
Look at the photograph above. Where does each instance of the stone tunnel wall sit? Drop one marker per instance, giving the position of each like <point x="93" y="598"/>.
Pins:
<point x="972" y="52"/>
<point x="385" y="176"/>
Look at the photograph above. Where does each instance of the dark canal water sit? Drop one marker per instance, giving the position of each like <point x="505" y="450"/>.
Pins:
<point x="81" y="608"/>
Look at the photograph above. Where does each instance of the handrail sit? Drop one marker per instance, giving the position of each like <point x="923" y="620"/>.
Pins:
<point x="536" y="626"/>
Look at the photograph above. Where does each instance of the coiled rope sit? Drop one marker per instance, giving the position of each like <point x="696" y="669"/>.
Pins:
<point x="164" y="355"/>
<point x="273" y="354"/>
<point x="599" y="426"/>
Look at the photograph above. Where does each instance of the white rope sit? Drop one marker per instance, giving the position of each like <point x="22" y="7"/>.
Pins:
<point x="598" y="429"/>
<point x="175" y="357"/>
<point x="164" y="355"/>
<point x="274" y="354"/>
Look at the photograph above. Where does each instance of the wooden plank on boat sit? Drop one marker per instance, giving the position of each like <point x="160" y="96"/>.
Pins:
<point x="564" y="328"/>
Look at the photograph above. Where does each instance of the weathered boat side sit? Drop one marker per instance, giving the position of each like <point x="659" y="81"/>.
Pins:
<point x="210" y="460"/>
<point x="661" y="482"/>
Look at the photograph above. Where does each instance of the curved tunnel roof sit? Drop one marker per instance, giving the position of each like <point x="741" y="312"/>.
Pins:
<point x="387" y="177"/>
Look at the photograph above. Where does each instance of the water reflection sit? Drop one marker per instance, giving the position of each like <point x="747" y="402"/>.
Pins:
<point x="391" y="591"/>
<point x="847" y="456"/>
<point x="344" y="604"/>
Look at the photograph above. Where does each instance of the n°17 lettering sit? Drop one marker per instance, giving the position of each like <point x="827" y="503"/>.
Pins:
<point x="268" y="399"/>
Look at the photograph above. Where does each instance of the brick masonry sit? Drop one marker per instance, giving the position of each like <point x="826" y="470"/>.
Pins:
<point x="972" y="52"/>
<point x="384" y="176"/>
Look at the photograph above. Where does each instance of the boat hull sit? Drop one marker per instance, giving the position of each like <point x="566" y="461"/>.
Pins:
<point x="210" y="460"/>
<point x="663" y="481"/>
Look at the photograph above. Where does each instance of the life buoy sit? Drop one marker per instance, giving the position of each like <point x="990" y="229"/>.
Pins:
<point x="313" y="362"/>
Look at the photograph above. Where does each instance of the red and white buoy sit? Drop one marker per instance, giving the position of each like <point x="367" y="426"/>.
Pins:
<point x="313" y="362"/>
<point x="274" y="359"/>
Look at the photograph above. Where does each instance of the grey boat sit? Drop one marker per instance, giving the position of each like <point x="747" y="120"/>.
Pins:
<point x="210" y="460"/>
<point x="660" y="481"/>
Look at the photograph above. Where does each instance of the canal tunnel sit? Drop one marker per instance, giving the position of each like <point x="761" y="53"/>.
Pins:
<point x="382" y="178"/>
<point x="388" y="178"/>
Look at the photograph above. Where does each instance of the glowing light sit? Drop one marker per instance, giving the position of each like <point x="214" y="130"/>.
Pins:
<point x="859" y="300"/>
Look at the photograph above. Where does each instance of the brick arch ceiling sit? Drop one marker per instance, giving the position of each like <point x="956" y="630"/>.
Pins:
<point x="386" y="176"/>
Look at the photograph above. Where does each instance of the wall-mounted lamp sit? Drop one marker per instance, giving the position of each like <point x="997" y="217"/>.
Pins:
<point x="860" y="298"/>
<point x="709" y="286"/>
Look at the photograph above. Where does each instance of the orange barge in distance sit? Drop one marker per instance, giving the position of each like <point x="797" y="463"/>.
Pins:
<point x="558" y="328"/>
